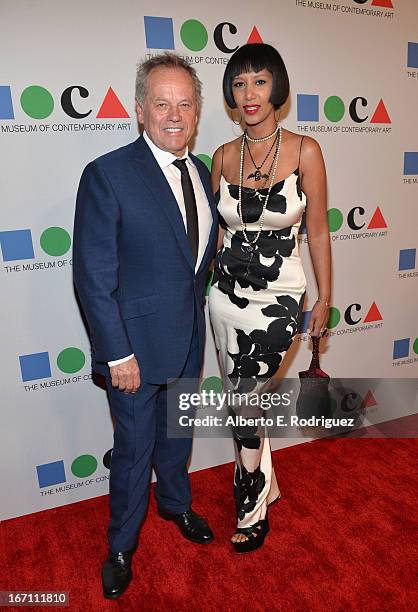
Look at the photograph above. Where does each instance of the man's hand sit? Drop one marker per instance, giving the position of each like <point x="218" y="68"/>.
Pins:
<point x="126" y="376"/>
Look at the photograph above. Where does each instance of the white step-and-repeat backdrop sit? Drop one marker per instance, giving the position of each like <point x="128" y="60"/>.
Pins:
<point x="67" y="96"/>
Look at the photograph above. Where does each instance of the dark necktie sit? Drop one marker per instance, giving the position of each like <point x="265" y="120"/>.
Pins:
<point x="190" y="205"/>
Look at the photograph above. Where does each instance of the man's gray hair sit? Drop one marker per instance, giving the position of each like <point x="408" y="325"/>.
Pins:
<point x="164" y="60"/>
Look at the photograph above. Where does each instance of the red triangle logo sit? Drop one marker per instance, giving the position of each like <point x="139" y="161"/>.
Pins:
<point x="368" y="400"/>
<point x="373" y="314"/>
<point x="111" y="107"/>
<point x="380" y="114"/>
<point x="254" y="37"/>
<point x="377" y="221"/>
<point x="385" y="3"/>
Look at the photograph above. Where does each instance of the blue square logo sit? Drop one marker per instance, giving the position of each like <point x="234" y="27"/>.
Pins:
<point x="410" y="163"/>
<point x="412" y="55"/>
<point x="35" y="366"/>
<point x="401" y="348"/>
<point x="51" y="474"/>
<point x="16" y="244"/>
<point x="6" y="104"/>
<point x="159" y="32"/>
<point x="308" y="107"/>
<point x="407" y="259"/>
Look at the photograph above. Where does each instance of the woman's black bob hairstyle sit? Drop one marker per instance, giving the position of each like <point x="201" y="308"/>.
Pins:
<point x="253" y="58"/>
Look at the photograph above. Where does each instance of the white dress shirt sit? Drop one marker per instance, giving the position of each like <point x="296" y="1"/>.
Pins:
<point x="165" y="160"/>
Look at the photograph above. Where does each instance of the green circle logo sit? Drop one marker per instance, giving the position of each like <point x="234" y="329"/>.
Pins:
<point x="84" y="465"/>
<point x="335" y="219"/>
<point x="55" y="241"/>
<point x="37" y="102"/>
<point x="334" y="317"/>
<point x="71" y="360"/>
<point x="212" y="383"/>
<point x="415" y="346"/>
<point x="206" y="159"/>
<point x="194" y="35"/>
<point x="334" y="108"/>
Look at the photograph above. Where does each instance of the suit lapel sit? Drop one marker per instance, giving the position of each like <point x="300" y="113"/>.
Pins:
<point x="205" y="178"/>
<point x="153" y="177"/>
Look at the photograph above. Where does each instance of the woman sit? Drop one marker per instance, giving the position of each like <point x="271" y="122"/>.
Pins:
<point x="264" y="180"/>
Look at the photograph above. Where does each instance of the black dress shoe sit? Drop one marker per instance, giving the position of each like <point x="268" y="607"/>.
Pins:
<point x="192" y="526"/>
<point x="116" y="574"/>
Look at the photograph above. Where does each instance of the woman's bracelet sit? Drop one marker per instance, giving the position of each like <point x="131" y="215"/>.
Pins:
<point x="323" y="302"/>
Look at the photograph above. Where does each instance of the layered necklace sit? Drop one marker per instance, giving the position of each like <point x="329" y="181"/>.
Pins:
<point x="249" y="244"/>
<point x="257" y="174"/>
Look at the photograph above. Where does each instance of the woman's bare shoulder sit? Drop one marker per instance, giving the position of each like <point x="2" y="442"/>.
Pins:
<point x="226" y="153"/>
<point x="310" y="145"/>
<point x="228" y="147"/>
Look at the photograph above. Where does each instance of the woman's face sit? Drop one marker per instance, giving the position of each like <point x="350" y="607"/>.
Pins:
<point x="252" y="91"/>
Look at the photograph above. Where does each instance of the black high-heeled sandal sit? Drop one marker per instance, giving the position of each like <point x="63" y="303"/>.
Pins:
<point x="255" y="536"/>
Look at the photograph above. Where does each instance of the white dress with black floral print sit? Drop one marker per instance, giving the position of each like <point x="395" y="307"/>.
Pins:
<point x="255" y="305"/>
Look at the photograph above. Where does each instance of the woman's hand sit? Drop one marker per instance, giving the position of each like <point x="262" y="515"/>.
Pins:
<point x="319" y="318"/>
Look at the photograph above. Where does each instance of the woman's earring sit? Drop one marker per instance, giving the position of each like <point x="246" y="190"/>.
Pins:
<point x="236" y="122"/>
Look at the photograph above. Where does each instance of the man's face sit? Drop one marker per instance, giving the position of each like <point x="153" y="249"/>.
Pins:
<point x="169" y="113"/>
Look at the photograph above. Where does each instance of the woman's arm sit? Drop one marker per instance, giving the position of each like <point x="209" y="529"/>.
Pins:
<point x="216" y="178"/>
<point x="314" y="186"/>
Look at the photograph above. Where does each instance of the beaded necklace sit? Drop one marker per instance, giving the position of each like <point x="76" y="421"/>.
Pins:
<point x="249" y="243"/>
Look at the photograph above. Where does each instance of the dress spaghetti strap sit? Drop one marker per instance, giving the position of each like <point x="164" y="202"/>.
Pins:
<point x="300" y="150"/>
<point x="222" y="159"/>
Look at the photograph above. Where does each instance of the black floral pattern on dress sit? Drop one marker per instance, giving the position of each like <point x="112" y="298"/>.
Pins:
<point x="236" y="265"/>
<point x="246" y="437"/>
<point x="253" y="200"/>
<point x="247" y="488"/>
<point x="298" y="185"/>
<point x="261" y="348"/>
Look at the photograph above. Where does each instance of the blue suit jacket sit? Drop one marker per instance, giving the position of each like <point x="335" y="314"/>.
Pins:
<point x="133" y="266"/>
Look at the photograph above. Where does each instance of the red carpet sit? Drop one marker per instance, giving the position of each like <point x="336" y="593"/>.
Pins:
<point x="344" y="538"/>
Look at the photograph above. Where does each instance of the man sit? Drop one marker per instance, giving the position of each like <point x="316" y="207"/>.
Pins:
<point x="144" y="235"/>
